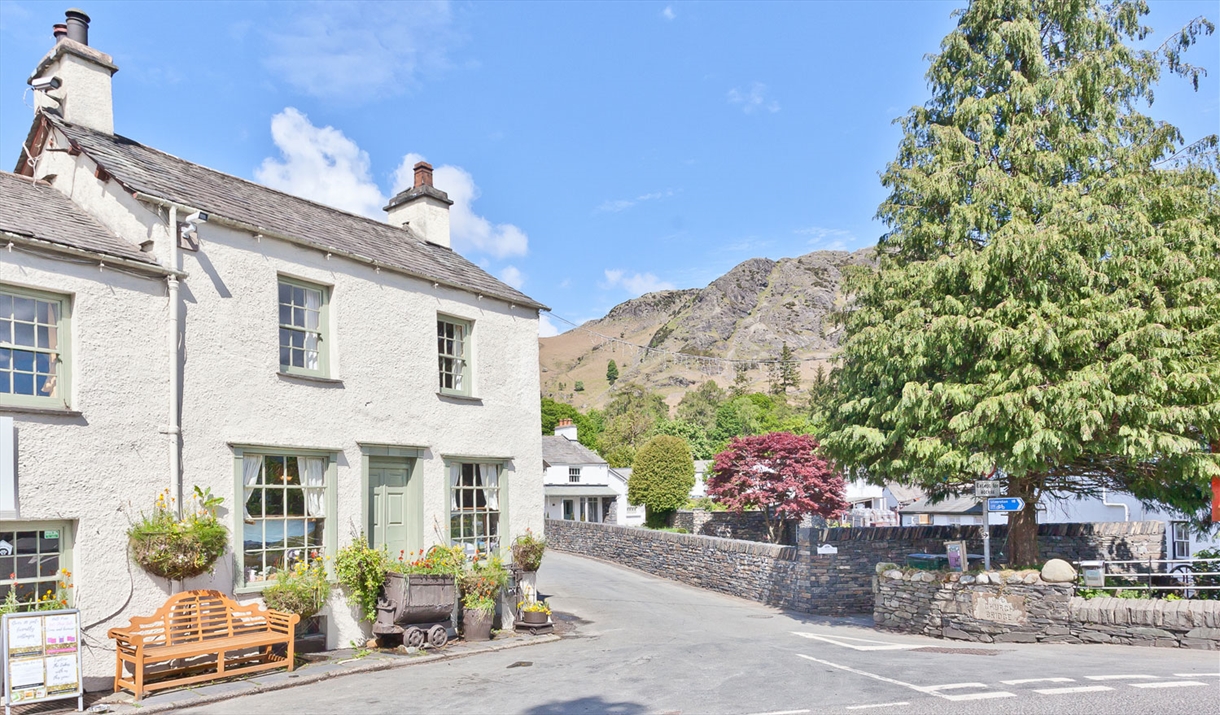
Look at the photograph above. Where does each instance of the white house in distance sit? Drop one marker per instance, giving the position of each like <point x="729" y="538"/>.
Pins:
<point x="580" y="486"/>
<point x="164" y="325"/>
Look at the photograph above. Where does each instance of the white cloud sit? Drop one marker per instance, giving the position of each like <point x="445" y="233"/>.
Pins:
<point x="320" y="164"/>
<point x="753" y="99"/>
<point x="826" y="239"/>
<point x="354" y="51"/>
<point x="616" y="205"/>
<point x="635" y="283"/>
<point x="546" y="329"/>
<point x="668" y="13"/>
<point x="468" y="230"/>
<point x="512" y="276"/>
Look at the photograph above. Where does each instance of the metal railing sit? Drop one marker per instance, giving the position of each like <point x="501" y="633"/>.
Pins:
<point x="1186" y="575"/>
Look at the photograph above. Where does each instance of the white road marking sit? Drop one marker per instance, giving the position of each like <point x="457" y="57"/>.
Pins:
<point x="1120" y="677"/>
<point x="878" y="705"/>
<point x="956" y="686"/>
<point x="916" y="688"/>
<point x="875" y="645"/>
<point x="1024" y="681"/>
<point x="1196" y="675"/>
<point x="1079" y="689"/>
<point x="1169" y="684"/>
<point x="978" y="696"/>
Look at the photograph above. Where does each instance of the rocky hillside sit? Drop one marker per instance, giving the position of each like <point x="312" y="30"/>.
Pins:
<point x="748" y="313"/>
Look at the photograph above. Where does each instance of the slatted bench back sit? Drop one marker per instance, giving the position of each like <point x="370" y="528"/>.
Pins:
<point x="193" y="616"/>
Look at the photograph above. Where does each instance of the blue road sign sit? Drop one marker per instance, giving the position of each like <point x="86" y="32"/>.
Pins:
<point x="1006" y="504"/>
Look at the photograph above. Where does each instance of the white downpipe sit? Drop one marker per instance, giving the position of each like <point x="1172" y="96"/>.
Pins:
<point x="1126" y="509"/>
<point x="175" y="428"/>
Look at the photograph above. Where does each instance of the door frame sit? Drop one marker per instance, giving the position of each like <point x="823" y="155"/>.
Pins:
<point x="408" y="456"/>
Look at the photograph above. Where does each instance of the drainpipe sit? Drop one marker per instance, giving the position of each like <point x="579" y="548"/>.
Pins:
<point x="1126" y="509"/>
<point x="175" y="428"/>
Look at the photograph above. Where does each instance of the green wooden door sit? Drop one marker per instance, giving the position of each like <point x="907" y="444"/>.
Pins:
<point x="395" y="512"/>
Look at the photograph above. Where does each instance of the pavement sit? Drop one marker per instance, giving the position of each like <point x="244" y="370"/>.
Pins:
<point x="635" y="644"/>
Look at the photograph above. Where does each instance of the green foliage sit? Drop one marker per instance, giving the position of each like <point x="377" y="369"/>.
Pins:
<point x="528" y="550"/>
<point x="361" y="570"/>
<point x="438" y="561"/>
<point x="784" y="374"/>
<point x="174" y="548"/>
<point x="611" y="372"/>
<point x="695" y="436"/>
<point x="661" y="476"/>
<point x="630" y="418"/>
<point x="588" y="426"/>
<point x="302" y="589"/>
<point x="699" y="406"/>
<point x="705" y="503"/>
<point x="579" y="386"/>
<point x="484" y="578"/>
<point x="1049" y="288"/>
<point x="474" y="602"/>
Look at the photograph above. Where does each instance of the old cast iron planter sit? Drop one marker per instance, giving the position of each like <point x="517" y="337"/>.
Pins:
<point x="476" y="625"/>
<point x="534" y="617"/>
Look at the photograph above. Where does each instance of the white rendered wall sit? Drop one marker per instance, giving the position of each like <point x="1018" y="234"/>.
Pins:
<point x="112" y="461"/>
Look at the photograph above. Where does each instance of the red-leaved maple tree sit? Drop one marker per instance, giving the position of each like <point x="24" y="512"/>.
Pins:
<point x="779" y="473"/>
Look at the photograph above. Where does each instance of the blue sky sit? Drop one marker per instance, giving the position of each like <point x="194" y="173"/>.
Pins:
<point x="595" y="150"/>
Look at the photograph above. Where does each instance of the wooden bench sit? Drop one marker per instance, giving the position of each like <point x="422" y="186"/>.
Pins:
<point x="198" y="636"/>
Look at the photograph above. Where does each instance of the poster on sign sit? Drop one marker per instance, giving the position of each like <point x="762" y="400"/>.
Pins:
<point x="41" y="658"/>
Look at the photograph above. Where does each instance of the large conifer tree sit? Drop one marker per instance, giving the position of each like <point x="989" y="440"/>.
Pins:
<point x="1047" y="307"/>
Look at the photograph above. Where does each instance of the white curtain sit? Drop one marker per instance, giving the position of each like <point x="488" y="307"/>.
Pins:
<point x="313" y="304"/>
<point x="313" y="471"/>
<point x="459" y="362"/>
<point x="455" y="471"/>
<point x="250" y="467"/>
<point x="489" y="476"/>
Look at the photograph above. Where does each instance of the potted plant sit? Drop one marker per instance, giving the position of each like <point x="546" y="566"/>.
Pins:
<point x="535" y="612"/>
<point x="303" y="590"/>
<point x="419" y="596"/>
<point x="527" y="552"/>
<point x="179" y="548"/>
<point x="480" y="585"/>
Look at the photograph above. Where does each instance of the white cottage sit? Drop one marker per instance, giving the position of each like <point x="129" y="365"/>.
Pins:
<point x="166" y="326"/>
<point x="580" y="485"/>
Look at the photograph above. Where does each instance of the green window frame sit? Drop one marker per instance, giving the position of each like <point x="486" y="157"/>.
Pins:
<point x="478" y="505"/>
<point x="33" y="557"/>
<point x="304" y="318"/>
<point x="288" y="501"/>
<point x="35" y="343"/>
<point x="453" y="348"/>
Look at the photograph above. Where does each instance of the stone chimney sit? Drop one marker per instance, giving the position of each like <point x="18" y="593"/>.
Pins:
<point x="424" y="207"/>
<point x="565" y="429"/>
<point x="83" y="93"/>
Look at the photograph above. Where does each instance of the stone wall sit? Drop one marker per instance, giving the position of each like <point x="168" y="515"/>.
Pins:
<point x="747" y="569"/>
<point x="832" y="584"/>
<point x="748" y="525"/>
<point x="1021" y="607"/>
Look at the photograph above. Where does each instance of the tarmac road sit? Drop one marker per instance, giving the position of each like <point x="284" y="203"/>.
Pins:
<point x="641" y="644"/>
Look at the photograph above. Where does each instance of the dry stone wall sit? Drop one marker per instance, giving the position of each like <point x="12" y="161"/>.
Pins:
<point x="835" y="584"/>
<point x="748" y="526"/>
<point x="1021" y="607"/>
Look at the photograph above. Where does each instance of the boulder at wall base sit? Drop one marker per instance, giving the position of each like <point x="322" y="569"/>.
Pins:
<point x="1058" y="571"/>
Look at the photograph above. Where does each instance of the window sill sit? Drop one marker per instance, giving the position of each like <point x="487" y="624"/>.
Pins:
<point x="327" y="381"/>
<point x="50" y="411"/>
<point x="460" y="398"/>
<point x="252" y="589"/>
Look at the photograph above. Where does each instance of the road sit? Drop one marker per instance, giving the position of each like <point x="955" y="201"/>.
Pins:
<point x="641" y="644"/>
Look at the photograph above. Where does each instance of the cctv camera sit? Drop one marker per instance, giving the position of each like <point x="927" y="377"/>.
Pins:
<point x="197" y="217"/>
<point x="45" y="83"/>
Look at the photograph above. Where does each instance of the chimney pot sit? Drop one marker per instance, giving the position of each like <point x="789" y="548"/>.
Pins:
<point x="423" y="174"/>
<point x="60" y="30"/>
<point x="78" y="26"/>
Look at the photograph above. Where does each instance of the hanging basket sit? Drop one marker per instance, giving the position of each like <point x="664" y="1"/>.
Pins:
<point x="190" y="549"/>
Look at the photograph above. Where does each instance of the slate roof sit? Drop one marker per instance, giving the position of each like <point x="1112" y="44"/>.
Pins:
<point x="41" y="212"/>
<point x="146" y="170"/>
<point x="561" y="450"/>
<point x="952" y="505"/>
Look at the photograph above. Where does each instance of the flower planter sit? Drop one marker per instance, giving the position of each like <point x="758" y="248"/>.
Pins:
<point x="534" y="617"/>
<point x="476" y="625"/>
<point x="415" y="604"/>
<point x="174" y="556"/>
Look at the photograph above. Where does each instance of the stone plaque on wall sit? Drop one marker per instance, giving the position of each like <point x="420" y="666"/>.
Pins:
<point x="1009" y="610"/>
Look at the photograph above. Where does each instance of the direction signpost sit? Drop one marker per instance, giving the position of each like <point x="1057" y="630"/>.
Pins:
<point x="1006" y="504"/>
<point x="982" y="490"/>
